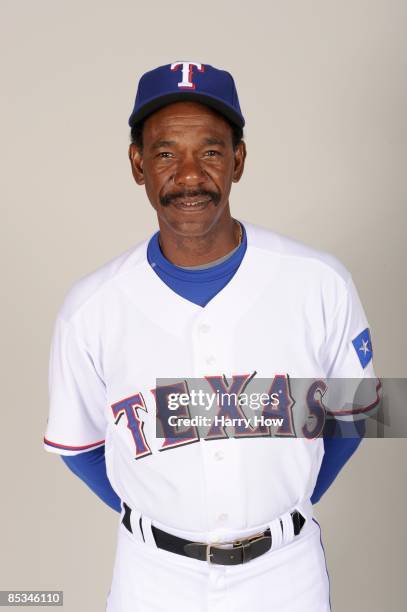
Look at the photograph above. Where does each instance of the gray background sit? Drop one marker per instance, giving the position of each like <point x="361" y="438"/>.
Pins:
<point x="323" y="86"/>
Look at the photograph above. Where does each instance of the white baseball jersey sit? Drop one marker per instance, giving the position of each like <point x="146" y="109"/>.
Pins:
<point x="289" y="311"/>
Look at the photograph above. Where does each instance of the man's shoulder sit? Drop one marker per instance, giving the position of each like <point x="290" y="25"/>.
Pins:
<point x="302" y="256"/>
<point x="87" y="288"/>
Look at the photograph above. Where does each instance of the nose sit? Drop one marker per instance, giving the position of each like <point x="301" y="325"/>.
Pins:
<point x="189" y="172"/>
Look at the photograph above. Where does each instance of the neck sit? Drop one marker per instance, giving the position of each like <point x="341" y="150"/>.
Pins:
<point x="198" y="250"/>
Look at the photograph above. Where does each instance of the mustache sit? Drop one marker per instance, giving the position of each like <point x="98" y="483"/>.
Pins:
<point x="168" y="198"/>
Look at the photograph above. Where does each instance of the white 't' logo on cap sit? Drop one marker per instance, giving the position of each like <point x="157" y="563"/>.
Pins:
<point x="187" y="68"/>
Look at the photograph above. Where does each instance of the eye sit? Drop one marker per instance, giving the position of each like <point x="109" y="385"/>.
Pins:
<point x="164" y="154"/>
<point x="212" y="153"/>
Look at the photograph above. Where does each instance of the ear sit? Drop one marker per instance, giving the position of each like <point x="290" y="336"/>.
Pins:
<point x="136" y="161"/>
<point x="240" y="156"/>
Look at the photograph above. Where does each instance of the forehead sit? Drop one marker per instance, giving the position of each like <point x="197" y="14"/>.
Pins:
<point x="184" y="115"/>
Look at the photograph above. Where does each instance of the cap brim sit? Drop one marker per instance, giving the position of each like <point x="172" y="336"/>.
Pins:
<point x="156" y="103"/>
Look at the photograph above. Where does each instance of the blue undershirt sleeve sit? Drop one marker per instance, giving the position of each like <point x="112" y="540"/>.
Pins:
<point x="91" y="468"/>
<point x="338" y="450"/>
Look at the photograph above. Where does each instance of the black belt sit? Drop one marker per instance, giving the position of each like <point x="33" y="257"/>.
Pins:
<point x="243" y="550"/>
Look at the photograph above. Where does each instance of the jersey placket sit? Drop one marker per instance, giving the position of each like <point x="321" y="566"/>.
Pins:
<point x="220" y="457"/>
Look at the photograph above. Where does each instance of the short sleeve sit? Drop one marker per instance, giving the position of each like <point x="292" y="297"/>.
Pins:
<point x="353" y="388"/>
<point x="77" y="395"/>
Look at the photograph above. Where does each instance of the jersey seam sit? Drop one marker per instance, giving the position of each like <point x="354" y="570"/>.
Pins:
<point x="103" y="286"/>
<point x="333" y="320"/>
<point x="71" y="329"/>
<point x="312" y="258"/>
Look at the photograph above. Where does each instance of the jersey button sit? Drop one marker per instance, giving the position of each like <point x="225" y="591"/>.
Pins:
<point x="223" y="517"/>
<point x="210" y="359"/>
<point x="204" y="328"/>
<point x="219" y="455"/>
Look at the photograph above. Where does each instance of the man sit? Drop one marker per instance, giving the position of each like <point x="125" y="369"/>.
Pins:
<point x="218" y="519"/>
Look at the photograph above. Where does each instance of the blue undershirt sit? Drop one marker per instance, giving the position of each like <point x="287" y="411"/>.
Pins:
<point x="199" y="285"/>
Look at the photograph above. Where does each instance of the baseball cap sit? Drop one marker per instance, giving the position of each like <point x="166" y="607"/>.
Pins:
<point x="191" y="81"/>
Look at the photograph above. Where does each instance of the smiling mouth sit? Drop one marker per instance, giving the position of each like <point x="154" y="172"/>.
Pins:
<point x="192" y="204"/>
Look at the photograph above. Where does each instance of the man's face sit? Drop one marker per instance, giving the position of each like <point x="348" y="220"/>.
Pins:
<point x="187" y="165"/>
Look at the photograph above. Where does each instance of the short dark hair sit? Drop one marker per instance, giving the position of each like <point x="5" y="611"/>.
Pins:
<point x="136" y="133"/>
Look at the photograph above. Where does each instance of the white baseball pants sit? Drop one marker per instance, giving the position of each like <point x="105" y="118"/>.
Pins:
<point x="290" y="577"/>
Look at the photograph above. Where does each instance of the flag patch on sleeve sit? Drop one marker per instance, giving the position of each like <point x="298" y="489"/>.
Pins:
<point x="363" y="347"/>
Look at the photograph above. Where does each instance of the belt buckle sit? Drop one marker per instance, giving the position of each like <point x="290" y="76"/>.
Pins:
<point x="243" y="543"/>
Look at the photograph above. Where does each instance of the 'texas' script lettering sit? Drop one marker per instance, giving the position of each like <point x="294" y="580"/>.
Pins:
<point x="132" y="410"/>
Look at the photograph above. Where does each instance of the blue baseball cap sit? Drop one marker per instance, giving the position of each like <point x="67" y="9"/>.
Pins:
<point x="191" y="81"/>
